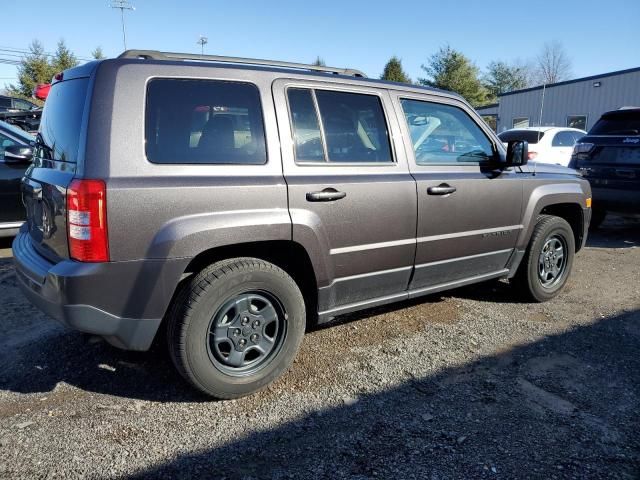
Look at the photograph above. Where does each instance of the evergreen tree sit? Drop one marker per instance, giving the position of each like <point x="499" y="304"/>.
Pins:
<point x="97" y="53"/>
<point x="33" y="70"/>
<point x="502" y="78"/>
<point x="63" y="58"/>
<point x="449" y="69"/>
<point x="319" y="62"/>
<point x="393" y="71"/>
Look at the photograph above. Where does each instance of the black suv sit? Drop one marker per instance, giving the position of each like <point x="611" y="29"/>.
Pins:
<point x="609" y="157"/>
<point x="10" y="104"/>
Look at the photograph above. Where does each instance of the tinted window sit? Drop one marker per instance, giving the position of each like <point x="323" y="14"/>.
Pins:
<point x="306" y="129"/>
<point x="5" y="102"/>
<point x="204" y="121"/>
<point x="623" y="123"/>
<point x="563" y="139"/>
<point x="443" y="134"/>
<point x="61" y="122"/>
<point x="529" y="136"/>
<point x="354" y="127"/>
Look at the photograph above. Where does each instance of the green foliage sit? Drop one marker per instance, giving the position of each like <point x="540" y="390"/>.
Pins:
<point x="97" y="53"/>
<point x="393" y="71"/>
<point x="34" y="69"/>
<point x="63" y="58"/>
<point x="502" y="77"/>
<point x="319" y="62"/>
<point x="37" y="67"/>
<point x="449" y="69"/>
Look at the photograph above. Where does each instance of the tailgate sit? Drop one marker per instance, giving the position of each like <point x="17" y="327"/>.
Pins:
<point x="56" y="161"/>
<point x="614" y="162"/>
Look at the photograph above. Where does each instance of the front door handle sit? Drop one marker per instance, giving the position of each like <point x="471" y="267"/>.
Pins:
<point x="326" y="195"/>
<point x="442" y="189"/>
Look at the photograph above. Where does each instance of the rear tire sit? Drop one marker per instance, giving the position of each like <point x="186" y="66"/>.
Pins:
<point x="548" y="260"/>
<point x="236" y="327"/>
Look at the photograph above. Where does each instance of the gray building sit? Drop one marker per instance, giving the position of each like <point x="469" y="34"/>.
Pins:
<point x="575" y="103"/>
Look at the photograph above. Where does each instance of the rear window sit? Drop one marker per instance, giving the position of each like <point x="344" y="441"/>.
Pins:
<point x="626" y="123"/>
<point x="204" y="122"/>
<point x="61" y="123"/>
<point x="529" y="136"/>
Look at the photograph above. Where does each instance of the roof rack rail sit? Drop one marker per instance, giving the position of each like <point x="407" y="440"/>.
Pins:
<point x="156" y="55"/>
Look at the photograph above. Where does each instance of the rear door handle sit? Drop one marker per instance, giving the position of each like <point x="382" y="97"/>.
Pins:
<point x="326" y="195"/>
<point x="442" y="189"/>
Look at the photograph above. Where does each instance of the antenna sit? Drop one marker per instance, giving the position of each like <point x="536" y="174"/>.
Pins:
<point x="544" y="87"/>
<point x="122" y="5"/>
<point x="202" y="41"/>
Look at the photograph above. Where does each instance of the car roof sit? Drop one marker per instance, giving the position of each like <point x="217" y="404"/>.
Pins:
<point x="86" y="69"/>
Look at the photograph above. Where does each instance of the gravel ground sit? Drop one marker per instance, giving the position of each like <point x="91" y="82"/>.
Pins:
<point x="467" y="384"/>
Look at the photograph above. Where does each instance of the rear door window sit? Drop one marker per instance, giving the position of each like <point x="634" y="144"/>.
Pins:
<point x="352" y="127"/>
<point x="563" y="139"/>
<point x="204" y="122"/>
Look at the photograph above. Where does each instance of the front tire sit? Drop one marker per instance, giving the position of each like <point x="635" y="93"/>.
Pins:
<point x="236" y="327"/>
<point x="548" y="260"/>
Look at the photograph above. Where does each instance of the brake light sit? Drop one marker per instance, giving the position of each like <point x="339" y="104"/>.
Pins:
<point x="532" y="155"/>
<point x="87" y="221"/>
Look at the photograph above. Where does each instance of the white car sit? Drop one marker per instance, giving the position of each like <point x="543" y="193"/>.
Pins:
<point x="546" y="144"/>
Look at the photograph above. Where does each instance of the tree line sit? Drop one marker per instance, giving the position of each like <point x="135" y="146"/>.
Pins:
<point x="447" y="69"/>
<point x="450" y="69"/>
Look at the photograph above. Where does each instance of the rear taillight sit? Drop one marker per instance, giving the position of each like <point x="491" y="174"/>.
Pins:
<point x="87" y="221"/>
<point x="532" y="155"/>
<point x="582" y="148"/>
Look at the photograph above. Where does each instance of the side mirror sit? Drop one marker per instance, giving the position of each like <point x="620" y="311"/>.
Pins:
<point x="16" y="154"/>
<point x="517" y="153"/>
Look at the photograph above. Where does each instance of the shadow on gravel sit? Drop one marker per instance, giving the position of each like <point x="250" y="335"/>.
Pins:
<point x="616" y="232"/>
<point x="562" y="407"/>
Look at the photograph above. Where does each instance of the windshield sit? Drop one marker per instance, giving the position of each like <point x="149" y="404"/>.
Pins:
<point x="59" y="133"/>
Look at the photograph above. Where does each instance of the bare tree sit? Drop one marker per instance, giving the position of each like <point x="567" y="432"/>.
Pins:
<point x="553" y="64"/>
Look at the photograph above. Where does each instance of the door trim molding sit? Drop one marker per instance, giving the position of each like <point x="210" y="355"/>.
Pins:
<point x="469" y="233"/>
<point x="372" y="246"/>
<point x="460" y="259"/>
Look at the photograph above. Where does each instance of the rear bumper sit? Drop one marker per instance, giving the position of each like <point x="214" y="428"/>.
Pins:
<point x="616" y="200"/>
<point x="122" y="301"/>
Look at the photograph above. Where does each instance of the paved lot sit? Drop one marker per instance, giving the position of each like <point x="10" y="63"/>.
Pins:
<point x="469" y="384"/>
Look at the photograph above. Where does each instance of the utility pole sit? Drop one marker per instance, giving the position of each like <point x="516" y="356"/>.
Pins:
<point x="202" y="41"/>
<point x="122" y="5"/>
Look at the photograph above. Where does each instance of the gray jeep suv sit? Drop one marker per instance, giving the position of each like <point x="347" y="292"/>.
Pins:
<point x="235" y="202"/>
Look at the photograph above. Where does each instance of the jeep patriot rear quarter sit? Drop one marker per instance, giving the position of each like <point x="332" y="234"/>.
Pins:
<point x="234" y="204"/>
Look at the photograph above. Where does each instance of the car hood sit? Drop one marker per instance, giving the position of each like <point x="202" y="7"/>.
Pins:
<point x="540" y="167"/>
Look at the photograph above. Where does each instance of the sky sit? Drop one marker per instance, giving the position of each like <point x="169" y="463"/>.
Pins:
<point x="598" y="36"/>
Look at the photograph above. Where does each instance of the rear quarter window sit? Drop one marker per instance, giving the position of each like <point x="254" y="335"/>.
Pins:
<point x="204" y="122"/>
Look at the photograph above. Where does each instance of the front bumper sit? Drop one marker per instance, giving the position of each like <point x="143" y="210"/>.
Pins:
<point x="122" y="301"/>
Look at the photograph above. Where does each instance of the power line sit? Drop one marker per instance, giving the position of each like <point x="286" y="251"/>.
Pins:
<point x="16" y="52"/>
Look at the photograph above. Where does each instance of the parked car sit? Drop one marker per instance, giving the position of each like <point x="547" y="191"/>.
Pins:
<point x="27" y="120"/>
<point x="14" y="104"/>
<point x="15" y="157"/>
<point x="546" y="144"/>
<point x="234" y="202"/>
<point x="609" y="157"/>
